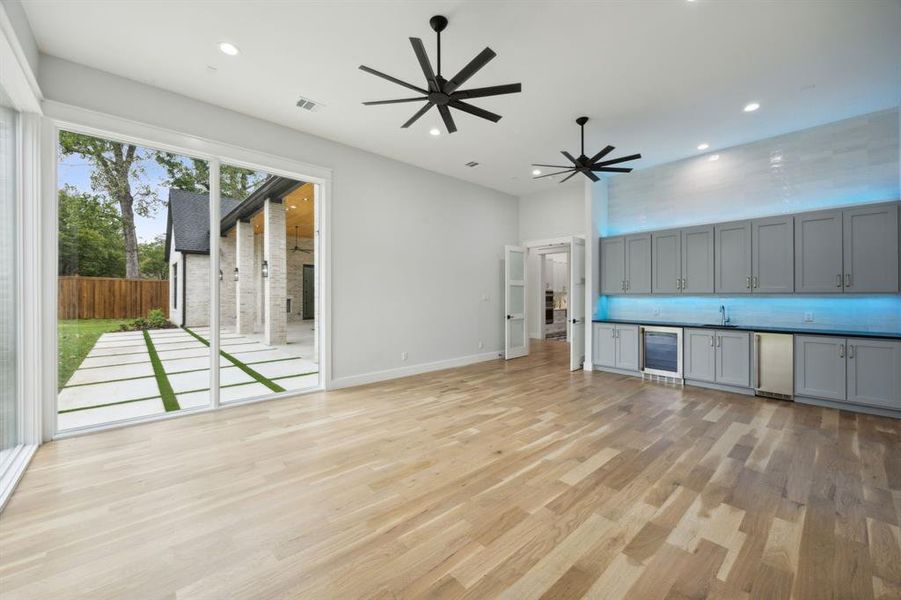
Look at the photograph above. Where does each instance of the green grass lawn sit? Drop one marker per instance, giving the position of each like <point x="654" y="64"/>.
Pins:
<point x="76" y="338"/>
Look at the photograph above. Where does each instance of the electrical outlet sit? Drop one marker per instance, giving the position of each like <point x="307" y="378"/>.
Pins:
<point x="485" y="297"/>
<point x="403" y="356"/>
<point x="808" y="317"/>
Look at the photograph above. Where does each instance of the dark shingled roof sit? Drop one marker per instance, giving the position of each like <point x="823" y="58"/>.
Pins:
<point x="189" y="215"/>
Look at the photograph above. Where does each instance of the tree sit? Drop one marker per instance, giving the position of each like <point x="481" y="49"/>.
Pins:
<point x="153" y="259"/>
<point x="117" y="167"/>
<point x="193" y="175"/>
<point x="90" y="236"/>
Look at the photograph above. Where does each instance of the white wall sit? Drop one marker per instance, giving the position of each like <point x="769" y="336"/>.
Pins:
<point x="413" y="252"/>
<point x="555" y="212"/>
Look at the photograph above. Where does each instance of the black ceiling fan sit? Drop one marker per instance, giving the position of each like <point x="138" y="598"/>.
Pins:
<point x="588" y="166"/>
<point x="296" y="247"/>
<point x="444" y="93"/>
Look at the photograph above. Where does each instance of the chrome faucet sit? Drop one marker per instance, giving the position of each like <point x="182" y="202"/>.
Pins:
<point x="724" y="318"/>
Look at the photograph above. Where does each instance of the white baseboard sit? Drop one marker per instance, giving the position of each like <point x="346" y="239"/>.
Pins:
<point x="450" y="363"/>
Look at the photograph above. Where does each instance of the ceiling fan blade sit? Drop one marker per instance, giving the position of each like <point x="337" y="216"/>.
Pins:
<point x="600" y="155"/>
<point x="570" y="176"/>
<point x="494" y="90"/>
<point x="392" y="79"/>
<point x="617" y="160"/>
<point x="475" y="110"/>
<point x="418" y="114"/>
<point x="398" y="101"/>
<point x="469" y="70"/>
<point x="552" y="174"/>
<point x="569" y="156"/>
<point x="591" y="176"/>
<point x="610" y="170"/>
<point x="552" y="166"/>
<point x="424" y="63"/>
<point x="448" y="119"/>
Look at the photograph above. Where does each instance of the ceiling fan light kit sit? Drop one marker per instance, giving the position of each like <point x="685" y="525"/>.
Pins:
<point x="588" y="166"/>
<point x="442" y="93"/>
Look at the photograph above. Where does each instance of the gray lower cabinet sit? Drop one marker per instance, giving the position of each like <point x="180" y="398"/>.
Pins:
<point x="666" y="263"/>
<point x="699" y="354"/>
<point x="773" y="255"/>
<point x="733" y="358"/>
<point x="820" y="367"/>
<point x="870" y="236"/>
<point x="615" y="346"/>
<point x="874" y="372"/>
<point x="818" y="252"/>
<point x="638" y="264"/>
<point x="717" y="356"/>
<point x="613" y="265"/>
<point x="697" y="260"/>
<point x="732" y="254"/>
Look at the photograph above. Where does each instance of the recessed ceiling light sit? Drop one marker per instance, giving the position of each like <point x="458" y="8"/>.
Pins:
<point x="752" y="106"/>
<point x="703" y="146"/>
<point x="228" y="48"/>
<point x="714" y="157"/>
<point x="435" y="131"/>
<point x="536" y="172"/>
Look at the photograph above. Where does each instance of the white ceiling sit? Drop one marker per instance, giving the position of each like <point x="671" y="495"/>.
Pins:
<point x="656" y="77"/>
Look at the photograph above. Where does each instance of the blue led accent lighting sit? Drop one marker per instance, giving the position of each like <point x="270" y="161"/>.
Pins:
<point x="880" y="313"/>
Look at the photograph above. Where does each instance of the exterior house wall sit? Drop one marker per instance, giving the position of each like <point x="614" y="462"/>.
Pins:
<point x="197" y="294"/>
<point x="227" y="288"/>
<point x="296" y="261"/>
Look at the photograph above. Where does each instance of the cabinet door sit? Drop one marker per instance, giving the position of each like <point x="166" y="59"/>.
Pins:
<point x="613" y="265"/>
<point x="603" y="345"/>
<point x="732" y="258"/>
<point x="874" y="372"/>
<point x="666" y="266"/>
<point x="699" y="355"/>
<point x="818" y="252"/>
<point x="871" y="248"/>
<point x="733" y="358"/>
<point x="627" y="347"/>
<point x="697" y="260"/>
<point x="638" y="264"/>
<point x="773" y="255"/>
<point x="820" y="367"/>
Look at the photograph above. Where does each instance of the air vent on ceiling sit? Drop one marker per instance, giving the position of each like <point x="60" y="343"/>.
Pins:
<point x="472" y="163"/>
<point x="310" y="105"/>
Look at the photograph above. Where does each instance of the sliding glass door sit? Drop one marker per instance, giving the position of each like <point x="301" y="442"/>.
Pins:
<point x="9" y="288"/>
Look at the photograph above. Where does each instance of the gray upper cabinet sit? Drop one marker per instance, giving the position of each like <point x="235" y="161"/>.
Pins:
<point x="732" y="254"/>
<point x="871" y="248"/>
<point x="772" y="255"/>
<point x="666" y="263"/>
<point x="733" y="358"/>
<point x="818" y="252"/>
<point x="613" y="265"/>
<point x="820" y="367"/>
<point x="638" y="264"/>
<point x="699" y="354"/>
<point x="697" y="260"/>
<point x="874" y="372"/>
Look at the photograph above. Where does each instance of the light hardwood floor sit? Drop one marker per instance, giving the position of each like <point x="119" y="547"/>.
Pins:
<point x="514" y="480"/>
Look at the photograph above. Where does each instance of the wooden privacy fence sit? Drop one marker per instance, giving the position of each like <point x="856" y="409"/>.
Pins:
<point x="111" y="297"/>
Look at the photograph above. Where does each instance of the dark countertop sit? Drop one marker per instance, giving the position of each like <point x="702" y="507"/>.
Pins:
<point x="761" y="329"/>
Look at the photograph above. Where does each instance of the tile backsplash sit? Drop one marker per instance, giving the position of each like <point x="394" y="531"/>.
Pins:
<point x="864" y="313"/>
<point x="847" y="162"/>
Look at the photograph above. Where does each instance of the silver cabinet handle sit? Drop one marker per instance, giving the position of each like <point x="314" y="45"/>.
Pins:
<point x="719" y="342"/>
<point x="684" y="283"/>
<point x="851" y="351"/>
<point x="711" y="341"/>
<point x="678" y="284"/>
<point x="841" y="351"/>
<point x="613" y="333"/>
<point x="755" y="281"/>
<point x="748" y="282"/>
<point x="848" y="280"/>
<point x="838" y="280"/>
<point x="628" y="284"/>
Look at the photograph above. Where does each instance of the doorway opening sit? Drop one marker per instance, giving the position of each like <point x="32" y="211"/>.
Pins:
<point x="553" y="324"/>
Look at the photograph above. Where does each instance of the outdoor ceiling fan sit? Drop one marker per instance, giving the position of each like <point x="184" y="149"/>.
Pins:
<point x="296" y="247"/>
<point x="444" y="93"/>
<point x="588" y="166"/>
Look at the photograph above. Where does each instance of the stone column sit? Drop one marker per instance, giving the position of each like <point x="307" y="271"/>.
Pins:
<point x="275" y="326"/>
<point x="244" y="287"/>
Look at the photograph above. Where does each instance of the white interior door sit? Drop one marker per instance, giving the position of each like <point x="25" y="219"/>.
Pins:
<point x="577" y="304"/>
<point x="516" y="342"/>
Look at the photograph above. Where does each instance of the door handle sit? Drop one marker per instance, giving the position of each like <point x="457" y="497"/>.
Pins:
<point x="848" y="280"/>
<point x="851" y="351"/>
<point x="841" y="351"/>
<point x="838" y="280"/>
<point x="509" y="317"/>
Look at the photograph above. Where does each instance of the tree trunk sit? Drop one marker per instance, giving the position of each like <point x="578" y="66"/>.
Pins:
<point x="126" y="207"/>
